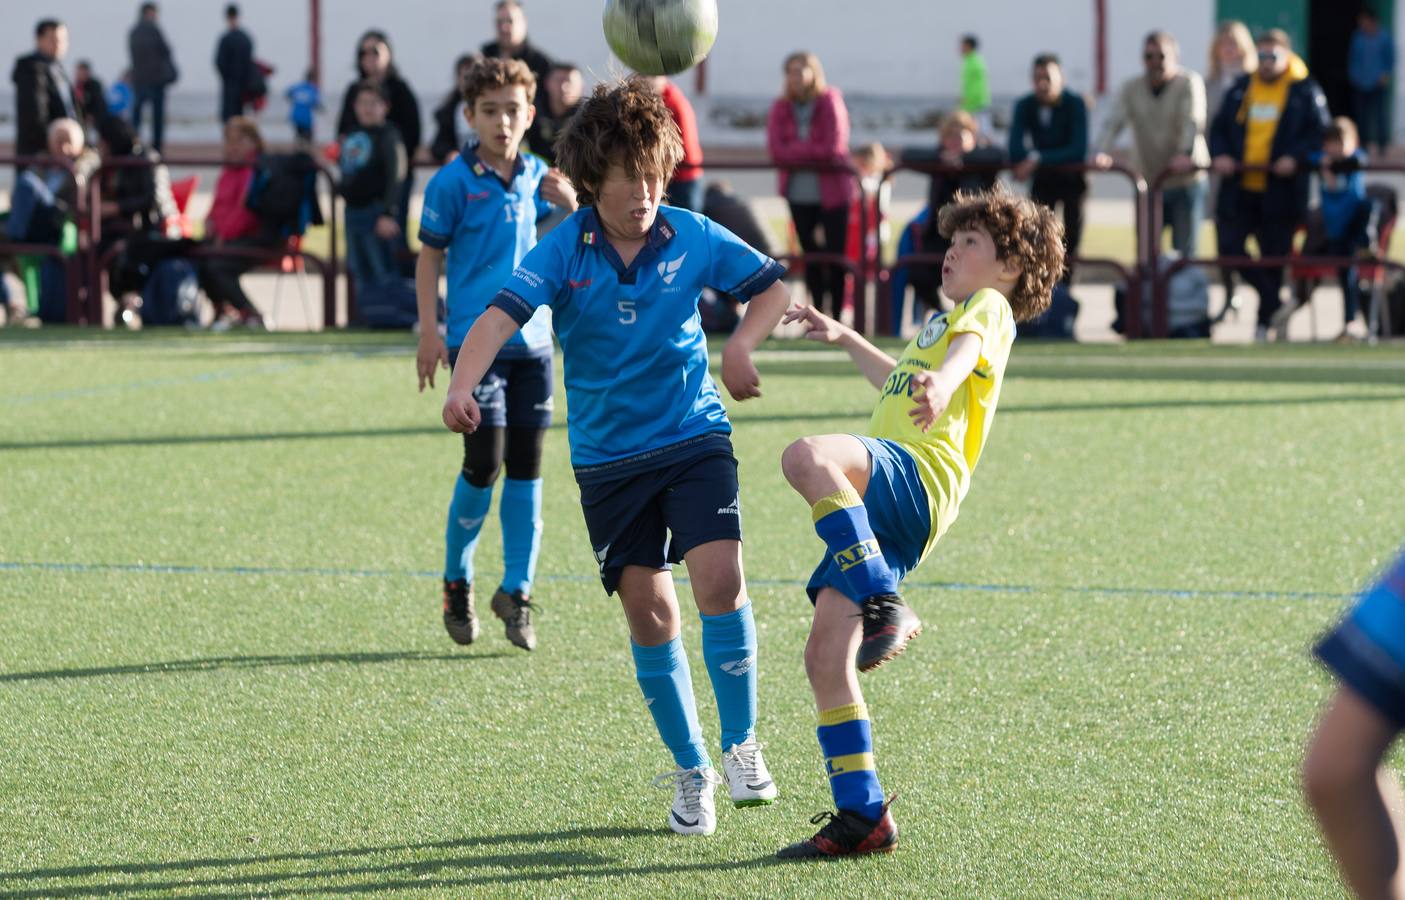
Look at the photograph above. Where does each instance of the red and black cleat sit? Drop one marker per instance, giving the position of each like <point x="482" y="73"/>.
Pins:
<point x="888" y="624"/>
<point x="847" y="834"/>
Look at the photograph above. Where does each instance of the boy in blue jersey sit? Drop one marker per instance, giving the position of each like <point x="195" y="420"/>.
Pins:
<point x="649" y="435"/>
<point x="880" y="502"/>
<point x="1357" y="802"/>
<point x="481" y="211"/>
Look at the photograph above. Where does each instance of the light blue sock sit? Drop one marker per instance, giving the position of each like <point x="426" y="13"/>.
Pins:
<point x="729" y="649"/>
<point x="667" y="684"/>
<point x="467" y="511"/>
<point x="520" y="512"/>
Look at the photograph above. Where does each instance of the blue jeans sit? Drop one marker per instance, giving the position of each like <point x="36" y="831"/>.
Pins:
<point x="370" y="259"/>
<point x="156" y="96"/>
<point x="1371" y="116"/>
<point x="1183" y="209"/>
<point x="686" y="194"/>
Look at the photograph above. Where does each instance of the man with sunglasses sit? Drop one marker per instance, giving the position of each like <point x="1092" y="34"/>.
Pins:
<point x="1166" y="109"/>
<point x="1266" y="132"/>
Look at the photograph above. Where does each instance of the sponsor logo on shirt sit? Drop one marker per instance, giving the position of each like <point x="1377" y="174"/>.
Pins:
<point x="577" y="285"/>
<point x="477" y="195"/>
<point x="527" y="275"/>
<point x="668" y="270"/>
<point x="932" y="332"/>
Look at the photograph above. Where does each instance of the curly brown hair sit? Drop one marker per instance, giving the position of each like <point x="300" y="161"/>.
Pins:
<point x="1024" y="232"/>
<point x="489" y="74"/>
<point x="621" y="123"/>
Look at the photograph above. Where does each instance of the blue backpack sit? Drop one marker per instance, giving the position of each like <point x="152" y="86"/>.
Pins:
<point x="171" y="295"/>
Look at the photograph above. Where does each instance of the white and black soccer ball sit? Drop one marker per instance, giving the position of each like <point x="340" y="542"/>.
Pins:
<point x="660" y="37"/>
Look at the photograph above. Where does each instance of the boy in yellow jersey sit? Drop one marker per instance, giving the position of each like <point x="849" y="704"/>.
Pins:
<point x="881" y="502"/>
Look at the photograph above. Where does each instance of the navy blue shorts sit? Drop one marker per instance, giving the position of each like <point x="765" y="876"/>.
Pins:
<point x="652" y="518"/>
<point x="515" y="392"/>
<point x="1367" y="650"/>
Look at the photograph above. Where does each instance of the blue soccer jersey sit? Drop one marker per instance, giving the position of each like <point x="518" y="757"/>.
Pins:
<point x="486" y="226"/>
<point x="635" y="355"/>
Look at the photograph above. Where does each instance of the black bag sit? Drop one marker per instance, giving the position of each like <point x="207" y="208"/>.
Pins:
<point x="1056" y="322"/>
<point x="283" y="193"/>
<point x="172" y="294"/>
<point x="53" y="292"/>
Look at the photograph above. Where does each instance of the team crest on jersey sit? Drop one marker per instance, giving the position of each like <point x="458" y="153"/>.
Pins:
<point x="669" y="270"/>
<point x="932" y="331"/>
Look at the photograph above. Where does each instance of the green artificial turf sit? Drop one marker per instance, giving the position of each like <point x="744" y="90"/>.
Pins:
<point x="223" y="672"/>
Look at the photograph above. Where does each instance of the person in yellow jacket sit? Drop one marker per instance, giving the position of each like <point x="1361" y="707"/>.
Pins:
<point x="881" y="501"/>
<point x="1263" y="138"/>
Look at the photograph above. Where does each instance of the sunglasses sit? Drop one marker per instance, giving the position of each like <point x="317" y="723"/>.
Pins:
<point x="1267" y="55"/>
<point x="370" y="51"/>
<point x="1153" y="57"/>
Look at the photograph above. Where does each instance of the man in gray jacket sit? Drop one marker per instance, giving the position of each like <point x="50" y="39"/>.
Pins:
<point x="153" y="70"/>
<point x="1166" y="109"/>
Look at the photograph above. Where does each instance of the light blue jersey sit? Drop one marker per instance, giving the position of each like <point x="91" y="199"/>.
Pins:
<point x="486" y="226"/>
<point x="637" y="384"/>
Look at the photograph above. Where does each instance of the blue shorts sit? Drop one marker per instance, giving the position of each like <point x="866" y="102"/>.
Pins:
<point x="898" y="512"/>
<point x="1367" y="650"/>
<point x="652" y="518"/>
<point x="515" y="391"/>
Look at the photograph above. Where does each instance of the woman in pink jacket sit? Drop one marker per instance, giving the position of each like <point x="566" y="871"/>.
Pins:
<point x="809" y="125"/>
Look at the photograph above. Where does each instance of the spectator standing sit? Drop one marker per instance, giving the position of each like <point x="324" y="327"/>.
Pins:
<point x="1232" y="56"/>
<point x="43" y="92"/>
<point x="808" y="125"/>
<point x="153" y="70"/>
<point x="375" y="62"/>
<point x="373" y="165"/>
<point x="1273" y="122"/>
<point x="92" y="96"/>
<point x="559" y="100"/>
<point x="231" y="224"/>
<point x="975" y="82"/>
<point x="1347" y="213"/>
<point x="234" y="60"/>
<point x="1166" y="109"/>
<point x="304" y="102"/>
<point x="451" y="128"/>
<point x="1049" y="128"/>
<point x="685" y="189"/>
<point x="118" y="101"/>
<point x="1370" y="65"/>
<point x="510" y="25"/>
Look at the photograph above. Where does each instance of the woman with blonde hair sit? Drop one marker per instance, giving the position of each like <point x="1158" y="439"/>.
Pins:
<point x="809" y="125"/>
<point x="1232" y="54"/>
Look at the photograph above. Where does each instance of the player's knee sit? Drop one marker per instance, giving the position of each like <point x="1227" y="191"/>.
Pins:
<point x="523" y="457"/>
<point x="826" y="660"/>
<point x="481" y="473"/>
<point x="799" y="459"/>
<point x="1329" y="776"/>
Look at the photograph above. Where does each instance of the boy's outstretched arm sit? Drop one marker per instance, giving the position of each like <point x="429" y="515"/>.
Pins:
<point x="432" y="353"/>
<point x="875" y="365"/>
<point x="480" y="348"/>
<point x="763" y="314"/>
<point x="931" y="391"/>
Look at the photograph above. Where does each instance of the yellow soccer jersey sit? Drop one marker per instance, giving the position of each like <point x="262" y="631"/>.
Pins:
<point x="947" y="453"/>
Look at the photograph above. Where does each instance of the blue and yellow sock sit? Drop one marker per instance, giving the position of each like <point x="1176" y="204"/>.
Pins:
<point x="467" y="510"/>
<point x="729" y="649"/>
<point x="667" y="684"/>
<point x="520" y="511"/>
<point x="847" y="743"/>
<point x="841" y="521"/>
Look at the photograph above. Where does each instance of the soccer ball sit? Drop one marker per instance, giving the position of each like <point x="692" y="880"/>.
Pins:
<point x="660" y="37"/>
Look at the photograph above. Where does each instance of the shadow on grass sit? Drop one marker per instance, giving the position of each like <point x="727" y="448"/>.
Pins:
<point x="437" y="864"/>
<point x="247" y="662"/>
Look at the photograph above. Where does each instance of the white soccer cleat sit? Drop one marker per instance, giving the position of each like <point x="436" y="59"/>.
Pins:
<point x="748" y="779"/>
<point x="693" y="810"/>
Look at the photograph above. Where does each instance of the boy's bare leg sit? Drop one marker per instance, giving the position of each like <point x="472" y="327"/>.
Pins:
<point x="829" y="653"/>
<point x="821" y="465"/>
<point x="715" y="572"/>
<point x="650" y="605"/>
<point x="1359" y="806"/>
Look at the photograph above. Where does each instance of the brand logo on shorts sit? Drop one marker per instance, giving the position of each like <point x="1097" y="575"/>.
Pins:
<point x="545" y="406"/>
<point x="600" y="555"/>
<point x="739" y="667"/>
<point x="648" y="702"/>
<point x="732" y="509"/>
<point x="669" y="270"/>
<point x="856" y="554"/>
<point x="932" y="332"/>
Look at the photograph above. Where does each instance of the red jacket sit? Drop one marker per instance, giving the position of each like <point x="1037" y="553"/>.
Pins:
<point x="827" y="142"/>
<point x="229" y="218"/>
<point x="690" y="169"/>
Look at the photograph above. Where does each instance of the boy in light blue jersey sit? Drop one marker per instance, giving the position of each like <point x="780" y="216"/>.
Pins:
<point x="648" y="432"/>
<point x="481" y="211"/>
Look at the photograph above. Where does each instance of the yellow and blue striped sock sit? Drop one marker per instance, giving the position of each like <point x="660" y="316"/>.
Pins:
<point x="841" y="521"/>
<point x="847" y="743"/>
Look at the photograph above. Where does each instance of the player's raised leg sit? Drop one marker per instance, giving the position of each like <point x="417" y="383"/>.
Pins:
<point x="730" y="652"/>
<point x="832" y="473"/>
<point x="473" y="494"/>
<point x="862" y="823"/>
<point x="661" y="667"/>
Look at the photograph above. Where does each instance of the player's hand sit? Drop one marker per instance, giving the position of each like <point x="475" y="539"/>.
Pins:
<point x="818" y="326"/>
<point x="1285" y="166"/>
<point x="739" y="373"/>
<point x="929" y="399"/>
<point x="431" y="355"/>
<point x="386" y="228"/>
<point x="557" y="190"/>
<point x="1102" y="161"/>
<point x="1223" y="165"/>
<point x="461" y="412"/>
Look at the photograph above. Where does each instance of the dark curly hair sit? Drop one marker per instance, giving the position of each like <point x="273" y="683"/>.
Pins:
<point x="622" y="123"/>
<point x="490" y="74"/>
<point x="1024" y="232"/>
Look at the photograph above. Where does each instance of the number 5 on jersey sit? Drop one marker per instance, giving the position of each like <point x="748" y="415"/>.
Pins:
<point x="627" y="313"/>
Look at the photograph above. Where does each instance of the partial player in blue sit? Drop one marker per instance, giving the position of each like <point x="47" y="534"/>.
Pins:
<point x="481" y="212"/>
<point x="1357" y="802"/>
<point x="649" y="435"/>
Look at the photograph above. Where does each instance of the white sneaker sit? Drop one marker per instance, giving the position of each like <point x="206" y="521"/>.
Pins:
<point x="693" y="810"/>
<point x="748" y="779"/>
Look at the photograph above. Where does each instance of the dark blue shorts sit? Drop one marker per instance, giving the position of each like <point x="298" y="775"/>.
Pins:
<point x="1367" y="650"/>
<point x="515" y="392"/>
<point x="652" y="518"/>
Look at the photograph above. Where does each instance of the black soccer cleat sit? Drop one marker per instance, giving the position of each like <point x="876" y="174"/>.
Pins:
<point x="847" y="834"/>
<point x="515" y="610"/>
<point x="459" y="618"/>
<point x="888" y="624"/>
